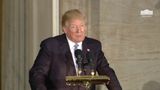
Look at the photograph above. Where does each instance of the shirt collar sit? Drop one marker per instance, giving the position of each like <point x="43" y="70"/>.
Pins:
<point x="71" y="44"/>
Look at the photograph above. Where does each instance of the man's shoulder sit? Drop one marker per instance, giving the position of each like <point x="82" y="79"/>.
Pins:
<point x="92" y="40"/>
<point x="53" y="40"/>
<point x="92" y="43"/>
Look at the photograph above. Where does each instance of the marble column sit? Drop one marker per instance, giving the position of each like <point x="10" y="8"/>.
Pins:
<point x="0" y="37"/>
<point x="13" y="45"/>
<point x="25" y="24"/>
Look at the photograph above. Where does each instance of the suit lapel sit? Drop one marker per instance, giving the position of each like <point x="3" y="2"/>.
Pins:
<point x="86" y="66"/>
<point x="70" y="68"/>
<point x="84" y="50"/>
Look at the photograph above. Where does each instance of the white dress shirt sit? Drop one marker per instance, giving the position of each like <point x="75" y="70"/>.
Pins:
<point x="72" y="48"/>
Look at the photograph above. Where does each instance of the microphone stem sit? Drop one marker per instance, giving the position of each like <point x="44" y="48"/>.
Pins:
<point x="92" y="70"/>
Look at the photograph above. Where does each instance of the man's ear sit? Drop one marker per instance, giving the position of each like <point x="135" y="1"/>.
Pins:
<point x="64" y="29"/>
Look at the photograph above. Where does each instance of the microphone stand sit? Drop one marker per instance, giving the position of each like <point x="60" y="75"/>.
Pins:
<point x="79" y="68"/>
<point x="91" y="63"/>
<point x="79" y="57"/>
<point x="87" y="80"/>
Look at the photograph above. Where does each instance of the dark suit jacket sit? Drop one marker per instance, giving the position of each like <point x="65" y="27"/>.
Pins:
<point x="54" y="62"/>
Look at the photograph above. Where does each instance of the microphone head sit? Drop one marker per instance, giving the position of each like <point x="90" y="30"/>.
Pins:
<point x="78" y="53"/>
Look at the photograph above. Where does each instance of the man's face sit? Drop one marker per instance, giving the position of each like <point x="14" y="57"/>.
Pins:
<point x="75" y="30"/>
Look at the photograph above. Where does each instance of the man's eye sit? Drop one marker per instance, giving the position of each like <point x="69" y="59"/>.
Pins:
<point x="72" y="27"/>
<point x="82" y="25"/>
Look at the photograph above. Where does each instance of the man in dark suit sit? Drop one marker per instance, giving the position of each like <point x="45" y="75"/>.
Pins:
<point x="56" y="58"/>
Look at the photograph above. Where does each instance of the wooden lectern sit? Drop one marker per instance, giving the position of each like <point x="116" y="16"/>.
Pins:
<point x="86" y="81"/>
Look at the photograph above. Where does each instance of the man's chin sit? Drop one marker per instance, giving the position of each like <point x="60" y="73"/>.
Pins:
<point x="80" y="40"/>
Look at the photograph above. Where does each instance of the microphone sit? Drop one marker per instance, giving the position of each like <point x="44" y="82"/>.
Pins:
<point x="90" y="59"/>
<point x="79" y="57"/>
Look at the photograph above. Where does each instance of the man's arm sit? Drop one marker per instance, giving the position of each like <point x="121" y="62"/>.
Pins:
<point x="104" y="69"/>
<point x="39" y="71"/>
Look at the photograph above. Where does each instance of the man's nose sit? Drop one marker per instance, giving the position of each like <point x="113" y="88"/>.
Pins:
<point x="78" y="29"/>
